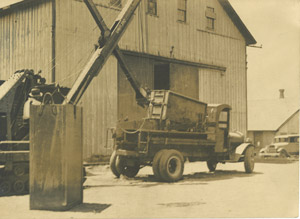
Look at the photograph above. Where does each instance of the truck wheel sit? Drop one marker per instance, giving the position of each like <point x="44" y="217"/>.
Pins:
<point x="155" y="164"/>
<point x="126" y="170"/>
<point x="5" y="188"/>
<point x="112" y="164"/>
<point x="171" y="165"/>
<point x="212" y="165"/>
<point x="249" y="160"/>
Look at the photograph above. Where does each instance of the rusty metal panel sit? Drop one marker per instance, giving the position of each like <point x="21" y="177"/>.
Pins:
<point x="55" y="157"/>
<point x="25" y="39"/>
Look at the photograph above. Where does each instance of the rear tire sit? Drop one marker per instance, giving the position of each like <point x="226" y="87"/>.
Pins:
<point x="249" y="159"/>
<point x="155" y="164"/>
<point x="112" y="164"/>
<point x="171" y="165"/>
<point x="212" y="165"/>
<point x="126" y="170"/>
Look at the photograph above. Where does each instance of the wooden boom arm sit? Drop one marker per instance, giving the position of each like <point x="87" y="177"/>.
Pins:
<point x="100" y="56"/>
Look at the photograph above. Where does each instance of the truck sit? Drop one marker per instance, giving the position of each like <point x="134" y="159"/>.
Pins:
<point x="178" y="128"/>
<point x="23" y="88"/>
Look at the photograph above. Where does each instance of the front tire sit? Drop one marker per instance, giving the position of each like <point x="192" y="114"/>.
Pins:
<point x="283" y="154"/>
<point x="212" y="165"/>
<point x="249" y="159"/>
<point x="171" y="165"/>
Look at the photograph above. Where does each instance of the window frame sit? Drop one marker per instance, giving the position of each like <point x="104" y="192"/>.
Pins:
<point x="115" y="3"/>
<point x="150" y="12"/>
<point x="210" y="18"/>
<point x="182" y="10"/>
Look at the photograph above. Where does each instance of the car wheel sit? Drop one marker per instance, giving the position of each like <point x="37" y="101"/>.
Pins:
<point x="171" y="165"/>
<point x="212" y="165"/>
<point x="112" y="164"/>
<point x="155" y="164"/>
<point x="283" y="154"/>
<point x="249" y="159"/>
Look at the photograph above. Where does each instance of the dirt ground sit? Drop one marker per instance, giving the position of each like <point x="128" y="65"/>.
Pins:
<point x="271" y="191"/>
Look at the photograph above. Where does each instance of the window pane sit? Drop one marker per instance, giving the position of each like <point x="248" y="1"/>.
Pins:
<point x="210" y="23"/>
<point x="182" y="4"/>
<point x="181" y="15"/>
<point x="116" y="3"/>
<point x="152" y="7"/>
<point x="210" y="9"/>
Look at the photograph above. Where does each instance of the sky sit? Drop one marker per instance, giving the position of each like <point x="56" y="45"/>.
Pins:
<point x="275" y="24"/>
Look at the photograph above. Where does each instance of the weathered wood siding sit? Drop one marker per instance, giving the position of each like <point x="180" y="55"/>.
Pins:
<point x="291" y="126"/>
<point x="76" y="35"/>
<point x="25" y="39"/>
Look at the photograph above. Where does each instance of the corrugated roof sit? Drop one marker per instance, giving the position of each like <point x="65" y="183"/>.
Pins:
<point x="269" y="115"/>
<point x="238" y="22"/>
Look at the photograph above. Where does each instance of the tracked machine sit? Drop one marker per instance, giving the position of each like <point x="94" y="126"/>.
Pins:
<point x="23" y="88"/>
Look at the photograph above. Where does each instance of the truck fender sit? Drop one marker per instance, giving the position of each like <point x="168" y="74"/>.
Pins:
<point x="242" y="148"/>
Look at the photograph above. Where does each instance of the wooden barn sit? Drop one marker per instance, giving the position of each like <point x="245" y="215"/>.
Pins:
<point x="193" y="47"/>
<point x="272" y="117"/>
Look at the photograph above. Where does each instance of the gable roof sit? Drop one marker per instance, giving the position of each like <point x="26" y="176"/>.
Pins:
<point x="270" y="115"/>
<point x="238" y="22"/>
<point x="224" y="3"/>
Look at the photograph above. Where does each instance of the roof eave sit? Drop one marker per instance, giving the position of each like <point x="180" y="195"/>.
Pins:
<point x="14" y="5"/>
<point x="250" y="40"/>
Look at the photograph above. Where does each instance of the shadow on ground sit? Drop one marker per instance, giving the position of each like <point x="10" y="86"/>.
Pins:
<point x="198" y="178"/>
<point x="218" y="175"/>
<point x="90" y="207"/>
<point x="276" y="160"/>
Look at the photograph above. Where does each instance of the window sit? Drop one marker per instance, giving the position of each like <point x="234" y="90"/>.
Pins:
<point x="210" y="18"/>
<point x="294" y="139"/>
<point x="181" y="11"/>
<point x="152" y="7"/>
<point x="115" y="3"/>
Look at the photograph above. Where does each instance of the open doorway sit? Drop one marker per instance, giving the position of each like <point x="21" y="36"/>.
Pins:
<point x="162" y="77"/>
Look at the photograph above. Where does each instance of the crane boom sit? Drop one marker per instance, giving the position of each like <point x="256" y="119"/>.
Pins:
<point x="141" y="93"/>
<point x="101" y="55"/>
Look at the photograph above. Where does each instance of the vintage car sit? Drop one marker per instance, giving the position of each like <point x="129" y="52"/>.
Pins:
<point x="283" y="146"/>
